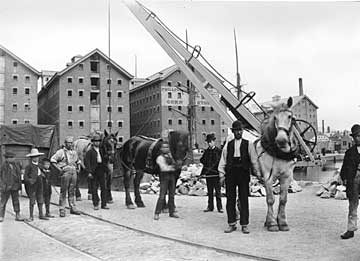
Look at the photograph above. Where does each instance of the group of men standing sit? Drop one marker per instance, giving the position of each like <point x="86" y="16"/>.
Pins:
<point x="38" y="184"/>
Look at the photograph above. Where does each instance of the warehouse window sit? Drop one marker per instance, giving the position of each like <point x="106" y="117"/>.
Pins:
<point x="119" y="81"/>
<point x="81" y="124"/>
<point x="108" y="81"/>
<point x="108" y="94"/>
<point x="69" y="79"/>
<point x="120" y="108"/>
<point x="26" y="121"/>
<point x="70" y="124"/>
<point x="15" y="91"/>
<point x="15" y="64"/>
<point x="15" y="77"/>
<point x="27" y="91"/>
<point x="69" y="108"/>
<point x="121" y="138"/>
<point x="202" y="108"/>
<point x="14" y="121"/>
<point x="14" y="107"/>
<point x="120" y="124"/>
<point x="26" y="107"/>
<point x="169" y="95"/>
<point x="180" y="121"/>
<point x="109" y="124"/>
<point x="81" y="80"/>
<point x="169" y="83"/>
<point x="119" y="94"/>
<point x="81" y="108"/>
<point x="81" y="93"/>
<point x="109" y="109"/>
<point x="203" y="122"/>
<point x="170" y="121"/>
<point x="27" y="78"/>
<point x="69" y="93"/>
<point x="212" y="122"/>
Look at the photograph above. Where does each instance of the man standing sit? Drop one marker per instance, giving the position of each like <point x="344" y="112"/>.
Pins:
<point x="350" y="174"/>
<point x="96" y="170"/>
<point x="236" y="161"/>
<point x="33" y="178"/>
<point x="210" y="160"/>
<point x="66" y="161"/>
<point x="10" y="184"/>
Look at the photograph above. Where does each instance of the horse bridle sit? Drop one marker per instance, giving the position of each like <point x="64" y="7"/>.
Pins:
<point x="286" y="130"/>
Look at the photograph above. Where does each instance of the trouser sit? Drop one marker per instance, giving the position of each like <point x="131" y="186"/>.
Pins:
<point x="99" y="179"/>
<point x="166" y="204"/>
<point x="167" y="184"/>
<point x="35" y="191"/>
<point x="352" y="191"/>
<point x="108" y="178"/>
<point x="212" y="184"/>
<point x="235" y="180"/>
<point x="68" y="183"/>
<point x="47" y="194"/>
<point x="77" y="190"/>
<point x="4" y="196"/>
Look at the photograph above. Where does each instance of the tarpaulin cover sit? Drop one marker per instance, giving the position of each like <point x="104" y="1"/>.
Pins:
<point x="27" y="134"/>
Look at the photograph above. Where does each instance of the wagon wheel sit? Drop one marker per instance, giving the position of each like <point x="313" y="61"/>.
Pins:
<point x="307" y="133"/>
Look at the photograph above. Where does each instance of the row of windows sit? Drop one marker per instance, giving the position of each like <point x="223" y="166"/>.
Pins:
<point x="26" y="91"/>
<point x="16" y="77"/>
<point x="146" y="99"/>
<point x="81" y="93"/>
<point x="70" y="124"/>
<point x="81" y="80"/>
<point x="180" y="122"/>
<point x="15" y="121"/>
<point x="81" y="108"/>
<point x="15" y="107"/>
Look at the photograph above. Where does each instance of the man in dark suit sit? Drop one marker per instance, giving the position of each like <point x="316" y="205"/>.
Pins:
<point x="10" y="184"/>
<point x="237" y="159"/>
<point x="97" y="172"/>
<point x="33" y="179"/>
<point x="350" y="174"/>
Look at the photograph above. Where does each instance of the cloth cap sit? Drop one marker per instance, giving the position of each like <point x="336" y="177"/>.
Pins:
<point x="34" y="153"/>
<point x="355" y="129"/>
<point x="210" y="137"/>
<point x="69" y="139"/>
<point x="45" y="160"/>
<point x="9" y="154"/>
<point x="237" y="125"/>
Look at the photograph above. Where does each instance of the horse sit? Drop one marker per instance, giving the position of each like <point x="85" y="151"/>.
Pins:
<point x="138" y="155"/>
<point x="276" y="151"/>
<point x="107" y="149"/>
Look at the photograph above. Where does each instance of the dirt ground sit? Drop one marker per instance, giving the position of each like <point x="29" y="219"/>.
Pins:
<point x="315" y="226"/>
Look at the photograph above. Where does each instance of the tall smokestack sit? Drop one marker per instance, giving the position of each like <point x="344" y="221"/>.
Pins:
<point x="301" y="90"/>
<point x="323" y="126"/>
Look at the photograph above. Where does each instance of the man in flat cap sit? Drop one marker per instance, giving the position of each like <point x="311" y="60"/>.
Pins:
<point x="350" y="174"/>
<point x="10" y="184"/>
<point x="210" y="160"/>
<point x="237" y="158"/>
<point x="66" y="161"/>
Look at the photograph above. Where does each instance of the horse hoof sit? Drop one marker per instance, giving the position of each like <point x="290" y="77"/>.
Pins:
<point x="273" y="228"/>
<point x="131" y="206"/>
<point x="284" y="228"/>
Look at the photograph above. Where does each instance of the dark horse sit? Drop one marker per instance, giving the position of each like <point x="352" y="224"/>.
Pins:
<point x="107" y="150"/>
<point x="139" y="154"/>
<point x="276" y="154"/>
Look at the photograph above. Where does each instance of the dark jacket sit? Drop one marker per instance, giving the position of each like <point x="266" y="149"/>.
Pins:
<point x="350" y="164"/>
<point x="31" y="174"/>
<point x="10" y="177"/>
<point x="91" y="160"/>
<point x="210" y="159"/>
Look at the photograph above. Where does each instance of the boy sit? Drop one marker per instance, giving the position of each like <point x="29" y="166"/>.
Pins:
<point x="45" y="169"/>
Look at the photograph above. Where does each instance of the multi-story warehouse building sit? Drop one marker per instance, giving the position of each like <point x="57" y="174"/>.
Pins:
<point x="89" y="94"/>
<point x="161" y="103"/>
<point x="18" y="90"/>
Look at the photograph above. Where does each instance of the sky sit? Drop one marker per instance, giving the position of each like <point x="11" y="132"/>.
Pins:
<point x="278" y="42"/>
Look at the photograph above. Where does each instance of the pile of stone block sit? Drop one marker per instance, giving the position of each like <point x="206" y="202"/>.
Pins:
<point x="333" y="188"/>
<point x="191" y="183"/>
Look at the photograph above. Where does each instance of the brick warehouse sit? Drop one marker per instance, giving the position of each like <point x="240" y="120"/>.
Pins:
<point x="160" y="103"/>
<point x="76" y="99"/>
<point x="18" y="90"/>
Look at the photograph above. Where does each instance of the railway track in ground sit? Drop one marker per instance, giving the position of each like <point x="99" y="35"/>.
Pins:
<point x="102" y="239"/>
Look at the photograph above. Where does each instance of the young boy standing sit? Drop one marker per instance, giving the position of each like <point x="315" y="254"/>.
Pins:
<point x="45" y="169"/>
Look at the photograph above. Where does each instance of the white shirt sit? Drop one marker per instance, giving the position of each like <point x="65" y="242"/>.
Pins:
<point x="37" y="164"/>
<point x="99" y="160"/>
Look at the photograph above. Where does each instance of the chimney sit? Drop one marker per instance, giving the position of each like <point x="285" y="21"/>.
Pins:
<point x="328" y="129"/>
<point x="301" y="89"/>
<point x="323" y="126"/>
<point x="276" y="98"/>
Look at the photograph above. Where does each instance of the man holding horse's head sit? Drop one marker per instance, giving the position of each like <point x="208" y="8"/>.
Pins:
<point x="234" y="168"/>
<point x="350" y="174"/>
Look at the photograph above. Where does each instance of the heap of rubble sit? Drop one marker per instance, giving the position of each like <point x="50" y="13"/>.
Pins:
<point x="192" y="183"/>
<point x="333" y="188"/>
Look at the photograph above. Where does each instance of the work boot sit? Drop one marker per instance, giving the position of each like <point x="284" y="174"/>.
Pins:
<point x="208" y="210"/>
<point x="110" y="201"/>
<point x="47" y="207"/>
<point x="347" y="235"/>
<point x="1" y="219"/>
<point x="41" y="214"/>
<point x="74" y="212"/>
<point x="156" y="217"/>
<point x="78" y="198"/>
<point x="245" y="229"/>
<point x="174" y="215"/>
<point x="231" y="228"/>
<point x="62" y="212"/>
<point x="220" y="210"/>
<point x="18" y="217"/>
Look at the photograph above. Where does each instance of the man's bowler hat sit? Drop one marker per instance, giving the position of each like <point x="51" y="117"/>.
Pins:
<point x="355" y="129"/>
<point x="210" y="137"/>
<point x="96" y="138"/>
<point x="237" y="125"/>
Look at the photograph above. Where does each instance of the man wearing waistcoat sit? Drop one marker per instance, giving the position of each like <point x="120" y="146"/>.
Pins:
<point x="350" y="174"/>
<point x="237" y="158"/>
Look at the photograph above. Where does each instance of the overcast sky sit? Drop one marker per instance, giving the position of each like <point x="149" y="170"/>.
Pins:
<point x="278" y="42"/>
